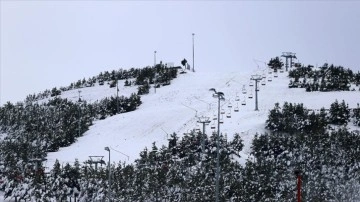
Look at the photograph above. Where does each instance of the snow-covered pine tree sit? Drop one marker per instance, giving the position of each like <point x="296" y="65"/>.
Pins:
<point x="356" y="115"/>
<point x="339" y="113"/>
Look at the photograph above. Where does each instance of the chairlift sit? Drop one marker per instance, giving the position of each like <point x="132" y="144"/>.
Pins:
<point x="244" y="89"/>
<point x="236" y="109"/>
<point x="229" y="105"/>
<point x="222" y="111"/>
<point x="197" y="127"/>
<point x="228" y="115"/>
<point x="213" y="125"/>
<point x="215" y="116"/>
<point x="243" y="102"/>
<point x="251" y="83"/>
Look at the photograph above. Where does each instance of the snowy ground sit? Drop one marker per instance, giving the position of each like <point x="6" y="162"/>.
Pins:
<point x="175" y="108"/>
<point x="2" y="198"/>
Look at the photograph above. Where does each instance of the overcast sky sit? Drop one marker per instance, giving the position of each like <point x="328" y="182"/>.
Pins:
<point x="53" y="43"/>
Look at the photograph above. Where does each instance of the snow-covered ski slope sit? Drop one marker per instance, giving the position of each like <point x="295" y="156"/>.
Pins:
<point x="175" y="108"/>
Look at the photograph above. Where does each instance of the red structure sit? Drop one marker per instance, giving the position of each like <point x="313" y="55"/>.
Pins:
<point x="299" y="188"/>
<point x="298" y="176"/>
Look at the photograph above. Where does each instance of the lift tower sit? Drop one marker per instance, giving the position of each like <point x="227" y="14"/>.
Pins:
<point x="288" y="55"/>
<point x="204" y="120"/>
<point x="256" y="78"/>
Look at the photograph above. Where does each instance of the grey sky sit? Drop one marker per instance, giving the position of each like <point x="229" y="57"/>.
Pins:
<point x="53" y="43"/>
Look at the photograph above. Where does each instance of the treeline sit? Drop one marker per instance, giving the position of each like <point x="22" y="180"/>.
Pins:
<point x="296" y="118"/>
<point x="181" y="171"/>
<point x="160" y="75"/>
<point x="327" y="157"/>
<point x="157" y="76"/>
<point x="33" y="129"/>
<point x="301" y="139"/>
<point x="328" y="163"/>
<point x="325" y="78"/>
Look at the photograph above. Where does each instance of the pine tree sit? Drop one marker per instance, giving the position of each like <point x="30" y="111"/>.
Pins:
<point x="274" y="121"/>
<point x="236" y="145"/>
<point x="275" y="63"/>
<point x="339" y="113"/>
<point x="356" y="115"/>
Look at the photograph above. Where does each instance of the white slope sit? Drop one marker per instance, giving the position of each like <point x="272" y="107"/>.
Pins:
<point x="175" y="108"/>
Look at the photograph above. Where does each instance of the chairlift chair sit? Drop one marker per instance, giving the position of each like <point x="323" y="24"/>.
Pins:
<point x="244" y="90"/>
<point x="251" y="83"/>
<point x="215" y="116"/>
<point x="228" y="115"/>
<point x="197" y="127"/>
<point x="263" y="76"/>
<point x="222" y="111"/>
<point x="213" y="125"/>
<point x="243" y="102"/>
<point x="236" y="109"/>
<point x="229" y="105"/>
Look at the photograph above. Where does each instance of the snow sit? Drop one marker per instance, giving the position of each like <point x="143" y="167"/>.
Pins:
<point x="2" y="198"/>
<point x="176" y="108"/>
<point x="2" y="136"/>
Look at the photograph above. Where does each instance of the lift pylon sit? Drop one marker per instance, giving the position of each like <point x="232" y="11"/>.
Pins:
<point x="288" y="55"/>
